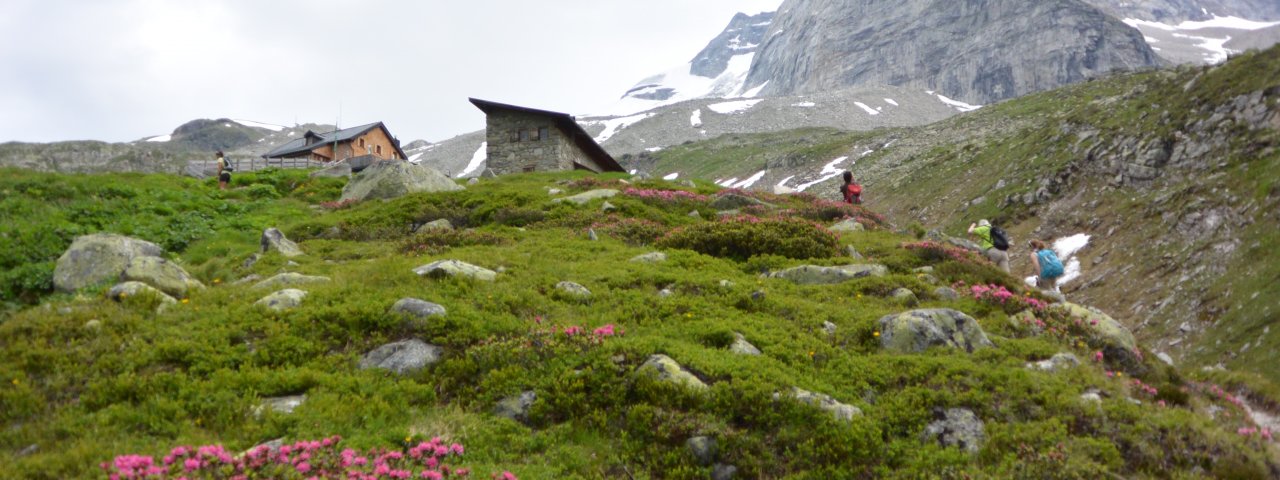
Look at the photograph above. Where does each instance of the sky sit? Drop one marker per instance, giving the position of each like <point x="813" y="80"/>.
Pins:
<point x="123" y="70"/>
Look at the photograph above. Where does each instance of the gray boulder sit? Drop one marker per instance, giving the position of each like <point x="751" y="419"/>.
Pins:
<point x="403" y="357"/>
<point x="1056" y="363"/>
<point x="124" y="290"/>
<point x="393" y="179"/>
<point x="1119" y="346"/>
<point x="848" y="225"/>
<point x="454" y="268"/>
<point x="608" y="207"/>
<point x="166" y="276"/>
<point x="665" y="369"/>
<point x="723" y="471"/>
<point x="97" y="258"/>
<point x="703" y="448"/>
<point x="917" y="330"/>
<point x="733" y="201"/>
<point x="417" y="308"/>
<point x="289" y="279"/>
<point x="815" y="275"/>
<point x="516" y="407"/>
<point x="274" y="239"/>
<point x="588" y="196"/>
<point x="334" y="170"/>
<point x="285" y="405"/>
<point x="904" y="296"/>
<point x="283" y="299"/>
<point x="573" y="290"/>
<point x="957" y="427"/>
<point x="852" y="252"/>
<point x="829" y="328"/>
<point x="741" y="346"/>
<point x="441" y="224"/>
<point x="841" y="411"/>
<point x="651" y="257"/>
<point x="946" y="293"/>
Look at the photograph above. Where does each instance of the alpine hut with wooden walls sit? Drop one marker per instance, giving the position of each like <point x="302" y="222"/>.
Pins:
<point x="360" y="145"/>
<point x="522" y="139"/>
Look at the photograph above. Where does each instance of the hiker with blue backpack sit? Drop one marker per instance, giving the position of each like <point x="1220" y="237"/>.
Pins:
<point x="1047" y="266"/>
<point x="994" y="242"/>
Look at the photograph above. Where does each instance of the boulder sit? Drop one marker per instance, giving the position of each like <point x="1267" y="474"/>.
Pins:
<point x="741" y="346"/>
<point x="403" y="357"/>
<point x="417" y="308"/>
<point x="852" y="252"/>
<point x="473" y="181"/>
<point x="454" y="268"/>
<point x="904" y="296"/>
<point x="946" y="293"/>
<point x="554" y="191"/>
<point x="607" y="207"/>
<point x="285" y="405"/>
<point x="1119" y="347"/>
<point x="573" y="290"/>
<point x="441" y="224"/>
<point x="665" y="369"/>
<point x="588" y="196"/>
<point x="841" y="411"/>
<point x="703" y="448"/>
<point x="815" y="275"/>
<point x="393" y="179"/>
<point x="333" y="170"/>
<point x="695" y="214"/>
<point x="124" y="290"/>
<point x="956" y="427"/>
<point x="1056" y="363"/>
<point x="848" y="225"/>
<point x="651" y="257"/>
<point x="97" y="258"/>
<point x="289" y="280"/>
<point x="283" y="299"/>
<point x="829" y="328"/>
<point x="274" y="239"/>
<point x="162" y="274"/>
<point x="917" y="330"/>
<point x="723" y="471"/>
<point x="733" y="201"/>
<point x="516" y="407"/>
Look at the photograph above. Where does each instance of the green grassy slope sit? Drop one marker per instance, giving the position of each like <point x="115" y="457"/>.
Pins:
<point x="86" y="378"/>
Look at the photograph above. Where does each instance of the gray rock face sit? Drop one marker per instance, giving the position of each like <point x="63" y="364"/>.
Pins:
<point x="403" y="357"/>
<point x="573" y="289"/>
<point x="665" y="369"/>
<point x="588" y="196"/>
<point x="454" y="268"/>
<point x="393" y="179"/>
<point x="957" y="427"/>
<point x="704" y="449"/>
<point x="166" y="276"/>
<point x="979" y="51"/>
<point x="742" y="36"/>
<point x="516" y="407"/>
<point x="417" y="308"/>
<point x="917" y="330"/>
<point x="288" y="280"/>
<point x="283" y="299"/>
<point x="841" y="411"/>
<point x="651" y="257"/>
<point x="741" y="346"/>
<point x="97" y="258"/>
<point x="274" y="239"/>
<point x="815" y="275"/>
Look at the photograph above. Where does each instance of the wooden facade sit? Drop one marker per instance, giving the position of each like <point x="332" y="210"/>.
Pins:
<point x="366" y="140"/>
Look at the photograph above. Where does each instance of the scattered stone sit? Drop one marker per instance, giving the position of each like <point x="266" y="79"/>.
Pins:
<point x="516" y="407"/>
<point x="251" y="261"/>
<point x="554" y="191"/>
<point x="1164" y="357"/>
<point x="591" y="235"/>
<point x="274" y="239"/>
<point x="291" y="263"/>
<point x="440" y="224"/>
<point x="917" y="330"/>
<point x="283" y="299"/>
<point x="733" y="201"/>
<point x="403" y="357"/>
<point x="741" y="346"/>
<point x="665" y="369"/>
<point x="695" y="214"/>
<point x="29" y="450"/>
<point x="651" y="257"/>
<point x="1118" y="344"/>
<point x="284" y="405"/>
<point x="585" y="197"/>
<point x="394" y="179"/>
<point x="289" y="280"/>
<point x="1057" y="363"/>
<point x="727" y="284"/>
<point x="841" y="411"/>
<point x="93" y="325"/>
<point x="124" y="290"/>
<point x="946" y="293"/>
<point x="97" y="258"/>
<point x="703" y="448"/>
<point x="473" y="181"/>
<point x="829" y="327"/>
<point x="758" y="295"/>
<point x="723" y="471"/>
<point x="728" y="213"/>
<point x="1091" y="396"/>
<point x="924" y="269"/>
<point x="162" y="274"/>
<point x="848" y="225"/>
<point x="815" y="275"/>
<point x="956" y="427"/>
<point x="689" y="183"/>
<point x="253" y="277"/>
<point x="454" y="268"/>
<point x="573" y="289"/>
<point x="607" y="207"/>
<point x="851" y="252"/>
<point x="904" y="296"/>
<point x="665" y="292"/>
<point x="417" y="308"/>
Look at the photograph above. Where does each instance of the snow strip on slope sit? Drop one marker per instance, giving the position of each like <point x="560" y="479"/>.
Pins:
<point x="961" y="106"/>
<point x="1066" y="248"/>
<point x="755" y="91"/>
<point x="672" y="176"/>
<point x="890" y="102"/>
<point x="804" y="104"/>
<point x="162" y="138"/>
<point x="251" y="123"/>
<point x="612" y="125"/>
<point x="750" y="180"/>
<point x="869" y="110"/>
<point x="828" y="172"/>
<point x="696" y="118"/>
<point x="729" y="108"/>
<point x="727" y="183"/>
<point x="476" y="159"/>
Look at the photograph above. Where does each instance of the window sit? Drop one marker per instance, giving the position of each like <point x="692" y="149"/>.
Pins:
<point x="530" y="168"/>
<point x="524" y="135"/>
<point x="515" y="135"/>
<point x="361" y="143"/>
<point x="378" y="149"/>
<point x="544" y="133"/>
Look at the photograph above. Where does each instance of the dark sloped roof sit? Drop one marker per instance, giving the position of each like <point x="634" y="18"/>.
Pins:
<point x="566" y="124"/>
<point x="299" y="145"/>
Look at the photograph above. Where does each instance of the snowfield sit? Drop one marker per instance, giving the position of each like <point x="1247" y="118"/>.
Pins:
<point x="477" y="159"/>
<point x="729" y="108"/>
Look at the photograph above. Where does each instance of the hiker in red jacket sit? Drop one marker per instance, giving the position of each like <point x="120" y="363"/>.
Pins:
<point x="851" y="192"/>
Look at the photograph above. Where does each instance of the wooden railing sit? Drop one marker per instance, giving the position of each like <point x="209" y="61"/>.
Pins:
<point x="257" y="163"/>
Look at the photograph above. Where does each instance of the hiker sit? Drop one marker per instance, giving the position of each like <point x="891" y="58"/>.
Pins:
<point x="224" y="170"/>
<point x="851" y="192"/>
<point x="993" y="241"/>
<point x="1047" y="266"/>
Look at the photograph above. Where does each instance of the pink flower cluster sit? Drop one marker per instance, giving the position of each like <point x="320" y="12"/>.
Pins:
<point x="1144" y="388"/>
<point x="664" y="195"/>
<point x="607" y="330"/>
<point x="1265" y="433"/>
<point x="999" y="295"/>
<point x="939" y="251"/>
<point x="316" y="459"/>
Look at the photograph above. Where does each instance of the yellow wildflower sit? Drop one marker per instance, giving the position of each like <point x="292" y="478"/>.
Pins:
<point x="15" y="381"/>
<point x="875" y="334"/>
<point x="185" y="301"/>
<point x="217" y="281"/>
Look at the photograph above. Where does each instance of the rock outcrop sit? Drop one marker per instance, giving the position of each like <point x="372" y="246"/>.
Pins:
<point x="393" y="179"/>
<point x="403" y="357"/>
<point x="666" y="369"/>
<point x="917" y="330"/>
<point x="274" y="239"/>
<point x="455" y="268"/>
<point x="98" y="258"/>
<point x="815" y="275"/>
<point x="957" y="427"/>
<point x="162" y="274"/>
<point x="283" y="299"/>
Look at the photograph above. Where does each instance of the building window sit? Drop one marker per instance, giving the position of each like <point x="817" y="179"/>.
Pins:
<point x="515" y="135"/>
<point x="378" y="149"/>
<point x="361" y="143"/>
<point x="524" y="135"/>
<point x="544" y="133"/>
<point x="530" y="168"/>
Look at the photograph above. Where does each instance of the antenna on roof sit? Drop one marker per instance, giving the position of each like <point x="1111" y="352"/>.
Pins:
<point x="336" y="127"/>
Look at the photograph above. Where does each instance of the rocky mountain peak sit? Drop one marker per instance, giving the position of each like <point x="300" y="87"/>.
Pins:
<point x="742" y="36"/>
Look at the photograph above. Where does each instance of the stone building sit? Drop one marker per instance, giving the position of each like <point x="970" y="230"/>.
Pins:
<point x="528" y="140"/>
<point x="369" y="142"/>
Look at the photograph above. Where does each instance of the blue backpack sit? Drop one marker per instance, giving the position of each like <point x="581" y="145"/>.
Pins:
<point x="1050" y="266"/>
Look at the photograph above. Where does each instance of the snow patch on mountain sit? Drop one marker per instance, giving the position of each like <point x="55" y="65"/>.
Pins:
<point x="671" y="176"/>
<point x="251" y="123"/>
<point x="696" y="119"/>
<point x="890" y="101"/>
<point x="828" y="172"/>
<point x="729" y="108"/>
<point x="1197" y="41"/>
<point x="869" y="110"/>
<point x="961" y="106"/>
<point x="612" y="125"/>
<point x="477" y="159"/>
<point x="161" y="138"/>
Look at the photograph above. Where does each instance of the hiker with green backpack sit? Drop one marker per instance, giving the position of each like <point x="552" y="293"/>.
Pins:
<point x="1046" y="264"/>
<point x="994" y="242"/>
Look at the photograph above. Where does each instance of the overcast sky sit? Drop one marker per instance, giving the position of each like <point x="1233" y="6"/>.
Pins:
<point x="121" y="70"/>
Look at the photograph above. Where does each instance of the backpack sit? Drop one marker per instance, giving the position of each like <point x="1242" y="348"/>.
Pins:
<point x="850" y="192"/>
<point x="1050" y="266"/>
<point x="226" y="164"/>
<point x="855" y="189"/>
<point x="999" y="239"/>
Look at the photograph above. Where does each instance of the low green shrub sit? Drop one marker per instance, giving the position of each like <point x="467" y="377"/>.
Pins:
<point x="743" y="237"/>
<point x="439" y="240"/>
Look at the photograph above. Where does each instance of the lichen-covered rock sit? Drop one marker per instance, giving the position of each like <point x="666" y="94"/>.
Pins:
<point x="733" y="201"/>
<point x="723" y="471"/>
<point x="917" y="330"/>
<point x="441" y="224"/>
<point x="455" y="268"/>
<point x="848" y="225"/>
<point x="665" y="369"/>
<point x="162" y="274"/>
<point x="741" y="346"/>
<point x="651" y="257"/>
<point x="289" y="280"/>
<point x="285" y="405"/>
<point x="274" y="239"/>
<point x="1118" y="345"/>
<point x="403" y="357"/>
<point x="97" y="258"/>
<point x="815" y="275"/>
<point x="283" y="299"/>
<point x="904" y="296"/>
<point x="703" y="448"/>
<point x="393" y="179"/>
<point x="585" y="197"/>
<point x="957" y="427"/>
<point x="516" y="407"/>
<point x="131" y="289"/>
<point x="1056" y="363"/>
<point x="417" y="308"/>
<point x="829" y="327"/>
<point x="946" y="293"/>
<point x="574" y="290"/>
<point x="841" y="411"/>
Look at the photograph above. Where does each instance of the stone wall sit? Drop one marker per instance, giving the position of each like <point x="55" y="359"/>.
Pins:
<point x="509" y="152"/>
